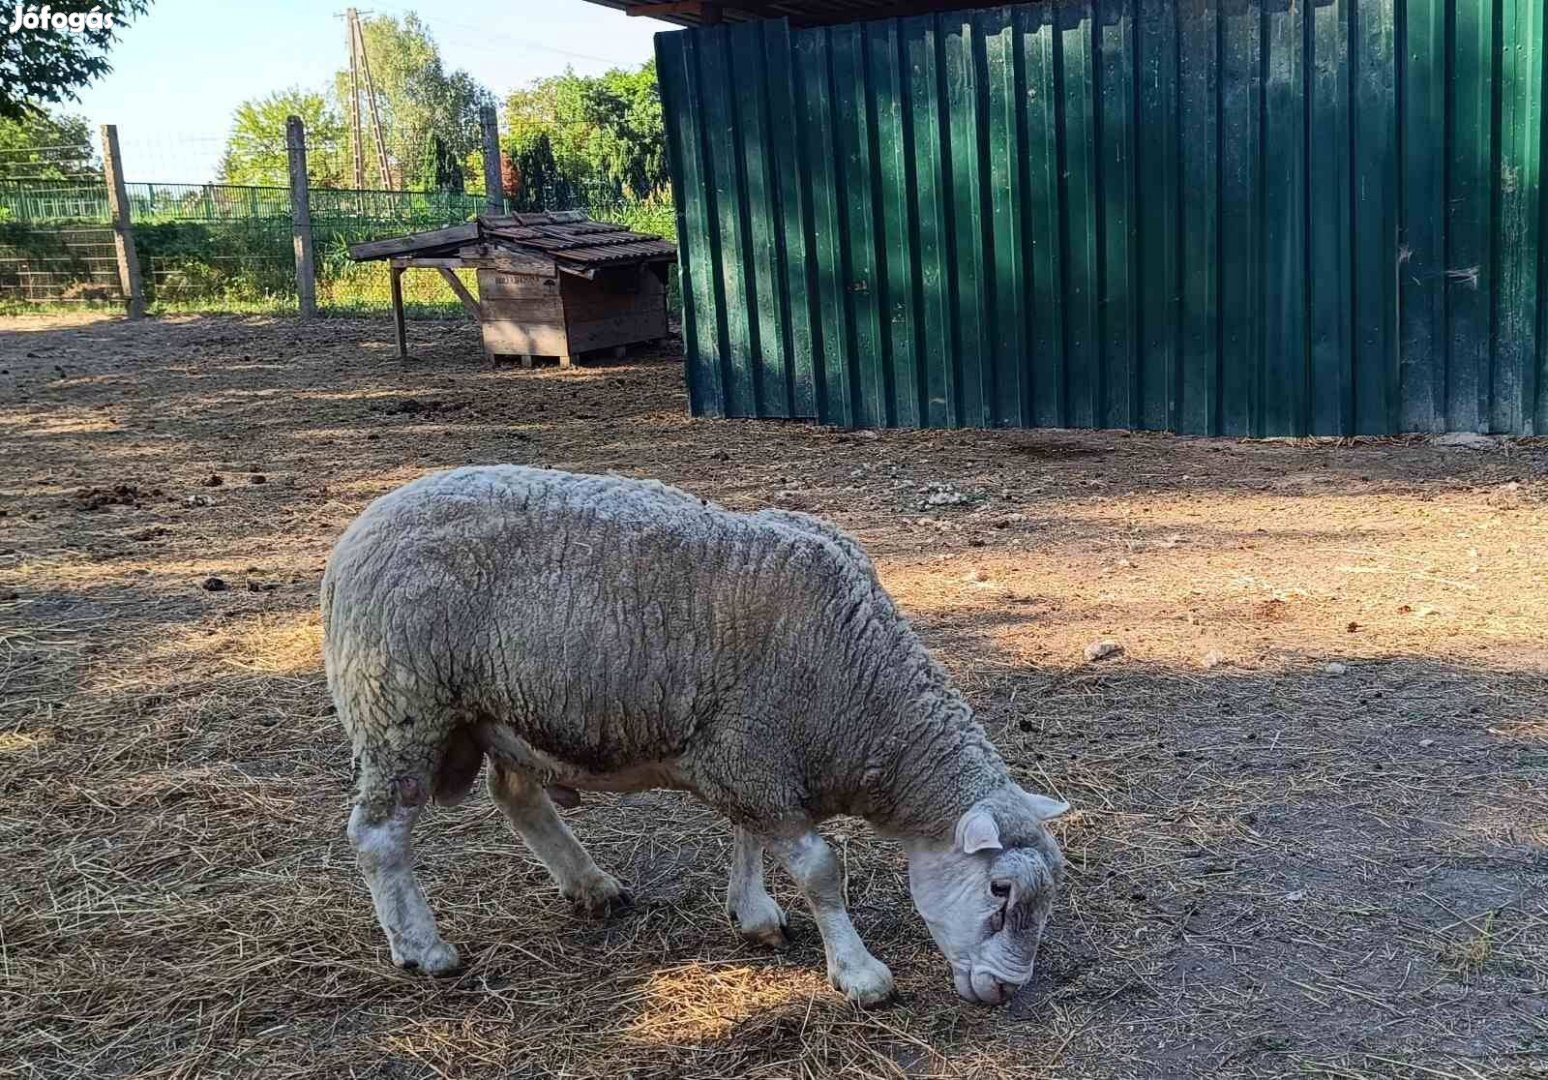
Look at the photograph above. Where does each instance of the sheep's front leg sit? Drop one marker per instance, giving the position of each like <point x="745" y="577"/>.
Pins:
<point x="381" y="843"/>
<point x="851" y="967"/>
<point x="527" y="806"/>
<point x="748" y="902"/>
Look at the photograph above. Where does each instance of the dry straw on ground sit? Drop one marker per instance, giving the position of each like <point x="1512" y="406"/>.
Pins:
<point x="1311" y="815"/>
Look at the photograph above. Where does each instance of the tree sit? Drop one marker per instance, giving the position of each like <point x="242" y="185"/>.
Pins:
<point x="598" y="137"/>
<point x="256" y="151"/>
<point x="48" y="60"/>
<point x="535" y="182"/>
<point x="40" y="146"/>
<point x="419" y="102"/>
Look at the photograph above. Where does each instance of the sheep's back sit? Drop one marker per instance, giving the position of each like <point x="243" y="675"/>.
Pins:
<point x="606" y="620"/>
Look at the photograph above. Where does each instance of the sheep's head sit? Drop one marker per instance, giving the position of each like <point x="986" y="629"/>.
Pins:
<point x="986" y="893"/>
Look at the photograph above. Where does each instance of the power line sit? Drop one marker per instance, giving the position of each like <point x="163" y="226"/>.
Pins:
<point x="486" y="32"/>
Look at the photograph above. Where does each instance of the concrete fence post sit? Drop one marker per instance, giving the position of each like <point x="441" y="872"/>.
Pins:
<point x="494" y="190"/>
<point x="123" y="228"/>
<point x="301" y="216"/>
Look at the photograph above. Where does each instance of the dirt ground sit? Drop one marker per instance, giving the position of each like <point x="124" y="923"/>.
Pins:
<point x="1311" y="791"/>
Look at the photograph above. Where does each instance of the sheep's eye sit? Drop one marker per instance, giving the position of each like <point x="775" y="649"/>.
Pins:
<point x="1000" y="889"/>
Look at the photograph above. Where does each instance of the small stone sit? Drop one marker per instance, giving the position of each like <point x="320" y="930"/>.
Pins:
<point x="1335" y="668"/>
<point x="214" y="584"/>
<point x="1213" y="659"/>
<point x="973" y="576"/>
<point x="213" y="480"/>
<point x="1426" y="743"/>
<point x="258" y="478"/>
<point x="1296" y="896"/>
<point x="1102" y="650"/>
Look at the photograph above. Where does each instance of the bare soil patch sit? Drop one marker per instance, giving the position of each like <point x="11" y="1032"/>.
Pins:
<point x="1311" y="788"/>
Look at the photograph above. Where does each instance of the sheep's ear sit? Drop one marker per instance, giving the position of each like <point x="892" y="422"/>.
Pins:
<point x="1045" y="808"/>
<point x="977" y="831"/>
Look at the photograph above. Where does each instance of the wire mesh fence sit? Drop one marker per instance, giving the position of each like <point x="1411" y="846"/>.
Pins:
<point x="230" y="247"/>
<point x="56" y="237"/>
<point x="56" y="243"/>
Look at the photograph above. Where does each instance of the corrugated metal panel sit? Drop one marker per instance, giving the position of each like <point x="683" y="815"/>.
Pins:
<point x="1266" y="217"/>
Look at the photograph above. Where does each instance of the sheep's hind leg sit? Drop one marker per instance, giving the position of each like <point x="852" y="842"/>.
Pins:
<point x="851" y="967"/>
<point x="757" y="917"/>
<point x="527" y="806"/>
<point x="379" y="828"/>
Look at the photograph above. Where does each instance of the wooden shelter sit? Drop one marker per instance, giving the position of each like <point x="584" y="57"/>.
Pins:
<point x="555" y="284"/>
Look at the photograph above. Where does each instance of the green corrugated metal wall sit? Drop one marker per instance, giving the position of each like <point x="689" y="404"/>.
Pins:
<point x="1265" y="217"/>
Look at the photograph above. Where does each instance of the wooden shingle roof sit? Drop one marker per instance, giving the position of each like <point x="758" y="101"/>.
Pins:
<point x="569" y="237"/>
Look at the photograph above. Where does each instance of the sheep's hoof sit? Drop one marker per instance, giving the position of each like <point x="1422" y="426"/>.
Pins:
<point x="770" y="937"/>
<point x="438" y="959"/>
<point x="767" y="926"/>
<point x="865" y="981"/>
<point x="601" y="898"/>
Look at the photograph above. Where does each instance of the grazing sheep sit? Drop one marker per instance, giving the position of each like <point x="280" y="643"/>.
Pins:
<point x="605" y="634"/>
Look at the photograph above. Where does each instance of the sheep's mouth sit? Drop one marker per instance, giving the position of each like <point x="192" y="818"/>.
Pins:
<point x="986" y="984"/>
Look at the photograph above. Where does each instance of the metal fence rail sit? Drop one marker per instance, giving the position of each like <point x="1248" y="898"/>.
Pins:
<point x="1216" y="216"/>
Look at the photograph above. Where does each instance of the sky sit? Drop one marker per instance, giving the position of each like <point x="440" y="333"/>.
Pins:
<point x="180" y="71"/>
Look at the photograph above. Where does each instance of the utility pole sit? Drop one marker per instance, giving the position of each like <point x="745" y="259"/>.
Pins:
<point x="351" y="17"/>
<point x="376" y="119"/>
<point x="494" y="187"/>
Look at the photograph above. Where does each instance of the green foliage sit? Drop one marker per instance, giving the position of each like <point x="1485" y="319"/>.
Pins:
<point x="419" y="101"/>
<point x="255" y="148"/>
<point x="442" y="167"/>
<point x="251" y="261"/>
<point x="41" y="146"/>
<point x="539" y="184"/>
<point x="45" y="65"/>
<point x="584" y="139"/>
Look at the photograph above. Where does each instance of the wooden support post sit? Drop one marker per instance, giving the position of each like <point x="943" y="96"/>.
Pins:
<point x="123" y="227"/>
<point x="396" y="277"/>
<point x="526" y="360"/>
<point x="301" y="217"/>
<point x="462" y="293"/>
<point x="566" y="361"/>
<point x="494" y="186"/>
